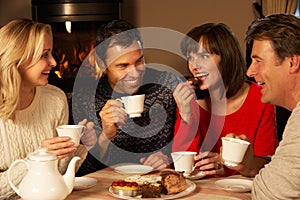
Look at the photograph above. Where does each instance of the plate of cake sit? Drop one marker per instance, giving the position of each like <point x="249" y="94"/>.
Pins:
<point x="167" y="185"/>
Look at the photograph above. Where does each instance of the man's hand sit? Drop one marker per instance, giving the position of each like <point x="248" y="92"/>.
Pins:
<point x="112" y="115"/>
<point x="89" y="138"/>
<point x="157" y="160"/>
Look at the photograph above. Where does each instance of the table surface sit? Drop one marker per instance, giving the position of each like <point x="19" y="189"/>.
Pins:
<point x="205" y="188"/>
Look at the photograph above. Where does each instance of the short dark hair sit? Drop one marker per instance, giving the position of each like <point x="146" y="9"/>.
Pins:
<point x="283" y="30"/>
<point x="115" y="32"/>
<point x="220" y="40"/>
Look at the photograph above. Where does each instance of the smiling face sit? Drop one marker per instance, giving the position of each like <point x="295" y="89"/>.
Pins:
<point x="269" y="72"/>
<point x="37" y="75"/>
<point x="126" y="67"/>
<point x="203" y="66"/>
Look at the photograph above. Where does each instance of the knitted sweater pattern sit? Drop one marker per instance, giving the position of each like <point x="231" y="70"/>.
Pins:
<point x="141" y="136"/>
<point x="37" y="122"/>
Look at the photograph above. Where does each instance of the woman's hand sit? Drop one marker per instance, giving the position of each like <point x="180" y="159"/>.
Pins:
<point x="61" y="146"/>
<point x="183" y="95"/>
<point x="89" y="138"/>
<point x="241" y="137"/>
<point x="157" y="160"/>
<point x="209" y="163"/>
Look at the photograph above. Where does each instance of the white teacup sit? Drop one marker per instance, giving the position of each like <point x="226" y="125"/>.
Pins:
<point x="184" y="161"/>
<point x="233" y="150"/>
<point x="73" y="131"/>
<point x="134" y="105"/>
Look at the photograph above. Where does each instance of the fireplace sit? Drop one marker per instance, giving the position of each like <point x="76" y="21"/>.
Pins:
<point x="74" y="23"/>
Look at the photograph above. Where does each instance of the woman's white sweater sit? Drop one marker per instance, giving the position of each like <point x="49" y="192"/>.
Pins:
<point x="37" y="122"/>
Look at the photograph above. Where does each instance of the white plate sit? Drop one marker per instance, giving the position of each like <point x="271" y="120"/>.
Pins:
<point x="195" y="175"/>
<point x="235" y="185"/>
<point x="133" y="169"/>
<point x="191" y="187"/>
<point x="82" y="183"/>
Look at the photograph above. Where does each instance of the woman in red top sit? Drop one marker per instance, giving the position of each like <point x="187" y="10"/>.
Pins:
<point x="232" y="105"/>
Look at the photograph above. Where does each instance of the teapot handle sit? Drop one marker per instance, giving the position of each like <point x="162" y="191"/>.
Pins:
<point x="9" y="174"/>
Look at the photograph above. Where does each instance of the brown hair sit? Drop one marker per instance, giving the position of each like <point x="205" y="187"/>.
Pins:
<point x="218" y="39"/>
<point x="115" y="32"/>
<point x="283" y="30"/>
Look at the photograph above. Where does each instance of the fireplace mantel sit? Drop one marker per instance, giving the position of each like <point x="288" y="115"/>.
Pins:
<point x="75" y="10"/>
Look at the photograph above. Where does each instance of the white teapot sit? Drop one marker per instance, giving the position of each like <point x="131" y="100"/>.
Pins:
<point x="43" y="180"/>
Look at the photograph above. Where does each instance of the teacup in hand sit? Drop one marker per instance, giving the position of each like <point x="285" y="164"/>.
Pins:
<point x="73" y="131"/>
<point x="184" y="161"/>
<point x="233" y="150"/>
<point x="134" y="105"/>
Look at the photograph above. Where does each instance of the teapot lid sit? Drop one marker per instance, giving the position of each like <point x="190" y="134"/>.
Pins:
<point x="42" y="154"/>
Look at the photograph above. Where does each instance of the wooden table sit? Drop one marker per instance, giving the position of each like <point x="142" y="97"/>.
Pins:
<point x="205" y="188"/>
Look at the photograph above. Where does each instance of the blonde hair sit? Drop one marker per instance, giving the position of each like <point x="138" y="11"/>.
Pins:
<point x="22" y="42"/>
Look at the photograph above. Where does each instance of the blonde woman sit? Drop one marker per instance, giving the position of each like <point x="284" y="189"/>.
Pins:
<point x="30" y="108"/>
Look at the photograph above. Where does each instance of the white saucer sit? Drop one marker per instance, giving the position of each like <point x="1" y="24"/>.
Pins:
<point x="195" y="175"/>
<point x="235" y="185"/>
<point x="133" y="169"/>
<point x="82" y="183"/>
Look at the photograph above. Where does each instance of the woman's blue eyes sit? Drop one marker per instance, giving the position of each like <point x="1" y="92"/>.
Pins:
<point x="203" y="55"/>
<point x="198" y="55"/>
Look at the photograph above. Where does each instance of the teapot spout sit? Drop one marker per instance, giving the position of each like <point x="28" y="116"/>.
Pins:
<point x="69" y="176"/>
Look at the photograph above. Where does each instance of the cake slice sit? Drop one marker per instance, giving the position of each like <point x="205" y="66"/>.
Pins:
<point x="151" y="190"/>
<point x="173" y="182"/>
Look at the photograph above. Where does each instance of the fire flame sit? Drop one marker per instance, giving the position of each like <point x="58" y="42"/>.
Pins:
<point x="66" y="66"/>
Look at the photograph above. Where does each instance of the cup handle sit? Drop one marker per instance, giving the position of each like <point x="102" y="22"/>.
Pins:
<point x="118" y="99"/>
<point x="122" y="103"/>
<point x="83" y="131"/>
<point x="193" y="168"/>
